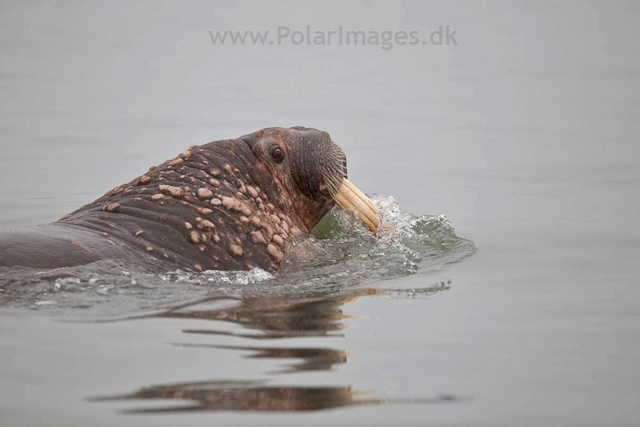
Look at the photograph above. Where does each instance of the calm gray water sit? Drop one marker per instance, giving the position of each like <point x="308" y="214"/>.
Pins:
<point x="524" y="136"/>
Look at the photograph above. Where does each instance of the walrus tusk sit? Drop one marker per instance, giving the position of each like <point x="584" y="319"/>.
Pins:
<point x="350" y="198"/>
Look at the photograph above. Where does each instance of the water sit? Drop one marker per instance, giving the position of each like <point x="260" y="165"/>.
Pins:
<point x="341" y="253"/>
<point x="523" y="136"/>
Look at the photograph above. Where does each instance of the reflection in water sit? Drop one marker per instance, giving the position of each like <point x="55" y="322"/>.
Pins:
<point x="273" y="318"/>
<point x="313" y="359"/>
<point x="255" y="396"/>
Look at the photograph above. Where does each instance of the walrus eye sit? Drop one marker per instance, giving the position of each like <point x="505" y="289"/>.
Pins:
<point x="277" y="154"/>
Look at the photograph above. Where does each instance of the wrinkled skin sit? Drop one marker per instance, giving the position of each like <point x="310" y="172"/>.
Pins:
<point x="226" y="205"/>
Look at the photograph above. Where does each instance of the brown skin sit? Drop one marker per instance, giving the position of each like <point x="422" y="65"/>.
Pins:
<point x="226" y="205"/>
<point x="296" y="173"/>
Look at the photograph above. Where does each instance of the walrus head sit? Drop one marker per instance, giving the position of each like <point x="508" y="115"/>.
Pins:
<point x="312" y="169"/>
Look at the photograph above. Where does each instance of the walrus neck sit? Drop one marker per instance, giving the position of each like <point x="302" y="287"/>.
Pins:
<point x="293" y="208"/>
<point x="308" y="211"/>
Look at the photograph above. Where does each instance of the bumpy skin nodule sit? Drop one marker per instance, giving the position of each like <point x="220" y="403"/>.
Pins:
<point x="225" y="205"/>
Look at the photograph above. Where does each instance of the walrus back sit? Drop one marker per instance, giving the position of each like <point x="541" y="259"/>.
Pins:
<point x="51" y="246"/>
<point x="214" y="207"/>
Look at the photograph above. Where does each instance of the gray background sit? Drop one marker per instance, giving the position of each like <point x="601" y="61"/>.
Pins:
<point x="524" y="135"/>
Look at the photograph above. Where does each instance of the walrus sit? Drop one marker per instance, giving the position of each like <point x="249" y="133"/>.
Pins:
<point x="232" y="204"/>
